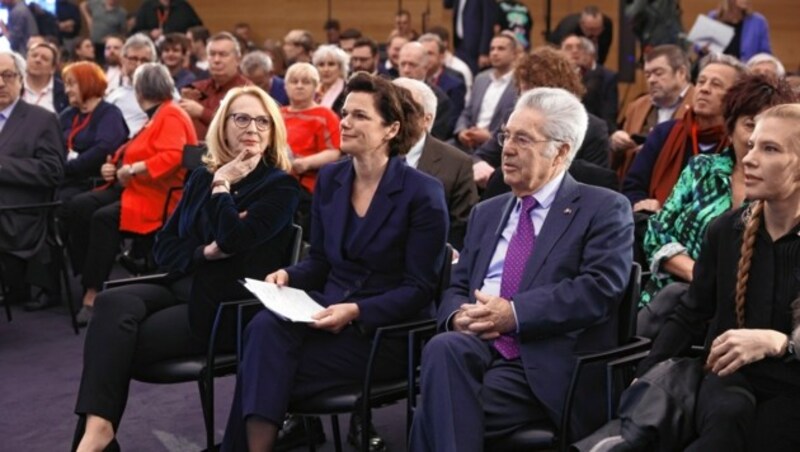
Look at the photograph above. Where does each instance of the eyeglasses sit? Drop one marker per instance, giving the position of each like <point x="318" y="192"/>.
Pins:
<point x="243" y="120"/>
<point x="136" y="60"/>
<point x="9" y="76"/>
<point x="522" y="141"/>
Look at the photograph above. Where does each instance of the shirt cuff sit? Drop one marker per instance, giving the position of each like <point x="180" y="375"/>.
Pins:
<point x="447" y="326"/>
<point x="665" y="252"/>
<point x="514" y="311"/>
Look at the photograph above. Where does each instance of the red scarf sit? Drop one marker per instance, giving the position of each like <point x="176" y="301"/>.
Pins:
<point x="684" y="137"/>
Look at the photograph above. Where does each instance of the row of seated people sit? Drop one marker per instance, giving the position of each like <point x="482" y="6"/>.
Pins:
<point x="527" y="290"/>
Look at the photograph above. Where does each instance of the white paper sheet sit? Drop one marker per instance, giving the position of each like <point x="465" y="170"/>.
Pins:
<point x="707" y="31"/>
<point x="291" y="304"/>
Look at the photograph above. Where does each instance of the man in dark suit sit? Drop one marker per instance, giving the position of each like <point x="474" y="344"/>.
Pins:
<point x="413" y="64"/>
<point x="449" y="80"/>
<point x="452" y="167"/>
<point x="31" y="167"/>
<point x="538" y="281"/>
<point x="590" y="23"/>
<point x="473" y="28"/>
<point x="601" y="98"/>
<point x="492" y="93"/>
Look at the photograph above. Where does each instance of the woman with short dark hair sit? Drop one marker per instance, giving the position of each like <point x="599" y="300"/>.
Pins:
<point x="378" y="230"/>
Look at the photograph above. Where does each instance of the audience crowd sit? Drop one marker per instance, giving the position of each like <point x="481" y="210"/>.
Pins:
<point x="384" y="149"/>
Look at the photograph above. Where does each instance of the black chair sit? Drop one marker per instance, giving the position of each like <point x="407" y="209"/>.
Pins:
<point x="351" y="398"/>
<point x="58" y="254"/>
<point x="545" y="437"/>
<point x="201" y="368"/>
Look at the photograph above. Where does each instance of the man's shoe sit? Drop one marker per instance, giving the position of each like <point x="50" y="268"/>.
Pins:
<point x="376" y="443"/>
<point x="293" y="433"/>
<point x="84" y="316"/>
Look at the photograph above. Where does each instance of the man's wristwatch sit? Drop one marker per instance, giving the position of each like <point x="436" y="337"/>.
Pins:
<point x="221" y="183"/>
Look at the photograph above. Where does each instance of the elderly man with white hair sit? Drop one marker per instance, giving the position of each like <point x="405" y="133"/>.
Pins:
<point x="413" y="63"/>
<point x="766" y="64"/>
<point x="442" y="161"/>
<point x="538" y="281"/>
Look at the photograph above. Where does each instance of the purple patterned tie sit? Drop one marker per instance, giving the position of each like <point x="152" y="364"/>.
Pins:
<point x="520" y="248"/>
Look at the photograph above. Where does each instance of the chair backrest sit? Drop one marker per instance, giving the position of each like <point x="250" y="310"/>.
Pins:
<point x="627" y="308"/>
<point x="193" y="155"/>
<point x="444" y="277"/>
<point x="296" y="244"/>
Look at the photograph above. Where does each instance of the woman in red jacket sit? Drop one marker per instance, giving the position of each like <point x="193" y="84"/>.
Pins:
<point x="139" y="176"/>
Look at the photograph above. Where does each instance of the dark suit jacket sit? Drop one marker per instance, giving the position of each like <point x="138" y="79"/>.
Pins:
<point x="453" y="168"/>
<point x="594" y="148"/>
<point x="479" y="19"/>
<point x="31" y="167"/>
<point x="570" y="288"/>
<point x="602" y="98"/>
<point x="469" y="116"/>
<point x="445" y="118"/>
<point x="60" y="101"/>
<point x="389" y="263"/>
<point x="570" y="25"/>
<point x="452" y="83"/>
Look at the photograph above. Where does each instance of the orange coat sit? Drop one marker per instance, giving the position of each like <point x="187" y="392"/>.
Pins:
<point x="160" y="145"/>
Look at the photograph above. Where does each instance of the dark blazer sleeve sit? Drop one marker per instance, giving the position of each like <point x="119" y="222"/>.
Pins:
<point x="589" y="298"/>
<point x="44" y="166"/>
<point x="636" y="185"/>
<point x="110" y="133"/>
<point x="171" y="251"/>
<point x="266" y="217"/>
<point x="595" y="146"/>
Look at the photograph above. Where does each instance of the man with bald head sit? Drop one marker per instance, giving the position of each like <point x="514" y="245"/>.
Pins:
<point x="413" y="63"/>
<point x="442" y="161"/>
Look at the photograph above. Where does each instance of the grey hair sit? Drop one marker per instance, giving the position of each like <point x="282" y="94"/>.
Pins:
<point x="335" y="53"/>
<point x="429" y="101"/>
<point x="301" y="69"/>
<point x="152" y="82"/>
<point x="565" y="118"/>
<point x="139" y="41"/>
<point x="19" y="63"/>
<point x="225" y="36"/>
<point x="420" y="49"/>
<point x="256" y="60"/>
<point x="432" y="37"/>
<point x="587" y="45"/>
<point x="721" y="58"/>
<point x="767" y="58"/>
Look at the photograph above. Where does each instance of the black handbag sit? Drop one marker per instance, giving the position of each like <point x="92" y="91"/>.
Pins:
<point x="656" y="413"/>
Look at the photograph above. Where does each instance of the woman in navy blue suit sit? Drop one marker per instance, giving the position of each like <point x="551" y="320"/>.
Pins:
<point x="378" y="233"/>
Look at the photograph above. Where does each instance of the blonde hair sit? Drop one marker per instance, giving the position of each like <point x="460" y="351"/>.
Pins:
<point x="753" y="216"/>
<point x="219" y="153"/>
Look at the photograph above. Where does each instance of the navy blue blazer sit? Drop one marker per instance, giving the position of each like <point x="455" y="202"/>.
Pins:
<point x="571" y="286"/>
<point x="478" y="20"/>
<point x="456" y="91"/>
<point x="392" y="265"/>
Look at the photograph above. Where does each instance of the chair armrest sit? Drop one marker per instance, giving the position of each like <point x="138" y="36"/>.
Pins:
<point x="637" y="345"/>
<point x="157" y="278"/>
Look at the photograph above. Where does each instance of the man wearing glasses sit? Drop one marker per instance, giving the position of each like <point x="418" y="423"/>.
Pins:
<point x="137" y="50"/>
<point x="538" y="281"/>
<point x="31" y="167"/>
<point x="202" y="98"/>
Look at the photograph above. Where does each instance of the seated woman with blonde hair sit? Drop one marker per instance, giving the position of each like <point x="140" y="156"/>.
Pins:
<point x="234" y="221"/>
<point x="743" y="284"/>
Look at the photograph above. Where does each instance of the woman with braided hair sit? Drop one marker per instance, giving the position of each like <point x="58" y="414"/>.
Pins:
<point x="745" y="280"/>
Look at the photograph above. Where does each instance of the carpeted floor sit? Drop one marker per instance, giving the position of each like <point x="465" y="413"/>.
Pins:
<point x="40" y="366"/>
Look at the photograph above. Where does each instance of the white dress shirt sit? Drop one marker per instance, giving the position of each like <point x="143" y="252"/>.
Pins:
<point x="43" y="98"/>
<point x="413" y="155"/>
<point x="492" y="97"/>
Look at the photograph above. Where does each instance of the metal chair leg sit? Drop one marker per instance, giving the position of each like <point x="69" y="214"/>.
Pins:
<point x="337" y="436"/>
<point x="207" y="401"/>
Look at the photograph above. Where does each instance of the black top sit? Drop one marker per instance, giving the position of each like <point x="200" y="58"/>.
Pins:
<point x="773" y="284"/>
<point x="735" y="46"/>
<point x="179" y="17"/>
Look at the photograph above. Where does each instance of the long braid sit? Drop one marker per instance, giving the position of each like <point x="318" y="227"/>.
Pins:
<point x="752" y="223"/>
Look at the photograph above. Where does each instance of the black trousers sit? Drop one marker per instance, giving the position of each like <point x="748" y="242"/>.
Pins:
<point x="14" y="270"/>
<point x="93" y="236"/>
<point x="735" y="414"/>
<point x="470" y="396"/>
<point x="132" y="326"/>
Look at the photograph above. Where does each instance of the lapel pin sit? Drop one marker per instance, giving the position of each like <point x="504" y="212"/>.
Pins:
<point x="567" y="211"/>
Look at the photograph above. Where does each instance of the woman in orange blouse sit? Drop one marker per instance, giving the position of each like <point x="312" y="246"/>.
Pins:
<point x="139" y="176"/>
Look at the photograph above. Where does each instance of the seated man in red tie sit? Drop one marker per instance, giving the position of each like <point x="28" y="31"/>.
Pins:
<point x="539" y="278"/>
